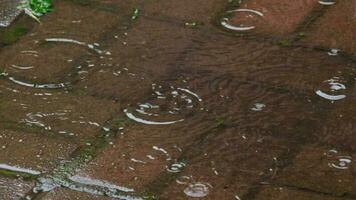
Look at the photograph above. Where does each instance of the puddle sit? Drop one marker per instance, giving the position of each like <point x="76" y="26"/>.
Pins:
<point x="331" y="91"/>
<point x="225" y="21"/>
<point x="167" y="106"/>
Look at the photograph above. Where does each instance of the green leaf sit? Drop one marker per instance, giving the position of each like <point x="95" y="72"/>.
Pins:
<point x="40" y="7"/>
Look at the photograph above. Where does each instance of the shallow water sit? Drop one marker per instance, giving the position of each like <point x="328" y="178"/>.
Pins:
<point x="225" y="107"/>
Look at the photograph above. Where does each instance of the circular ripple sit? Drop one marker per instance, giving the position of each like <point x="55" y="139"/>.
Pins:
<point x="168" y="106"/>
<point x="225" y="21"/>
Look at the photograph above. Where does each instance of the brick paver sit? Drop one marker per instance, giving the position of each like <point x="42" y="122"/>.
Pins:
<point x="335" y="29"/>
<point x="277" y="19"/>
<point x="252" y="117"/>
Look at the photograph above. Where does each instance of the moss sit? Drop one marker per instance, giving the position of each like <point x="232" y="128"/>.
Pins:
<point x="13" y="34"/>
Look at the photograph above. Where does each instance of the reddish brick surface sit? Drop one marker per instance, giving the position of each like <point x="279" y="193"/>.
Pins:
<point x="280" y="17"/>
<point x="335" y="29"/>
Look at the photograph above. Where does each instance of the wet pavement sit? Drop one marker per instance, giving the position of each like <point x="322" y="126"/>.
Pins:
<point x="166" y="99"/>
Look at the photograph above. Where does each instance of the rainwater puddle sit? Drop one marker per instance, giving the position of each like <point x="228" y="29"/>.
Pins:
<point x="225" y="22"/>
<point x="167" y="106"/>
<point x="338" y="161"/>
<point x="332" y="89"/>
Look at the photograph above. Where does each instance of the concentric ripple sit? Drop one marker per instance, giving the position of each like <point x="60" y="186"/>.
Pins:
<point x="225" y="21"/>
<point x="334" y="88"/>
<point x="197" y="190"/>
<point x="337" y="161"/>
<point x="168" y="106"/>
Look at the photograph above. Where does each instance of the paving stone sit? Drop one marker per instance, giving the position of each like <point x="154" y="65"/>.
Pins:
<point x="14" y="189"/>
<point x="55" y="112"/>
<point x="20" y="149"/>
<point x="277" y="19"/>
<point x="280" y="193"/>
<point x="139" y="56"/>
<point x="338" y="129"/>
<point x="139" y="155"/>
<point x="229" y="164"/>
<point x="185" y="11"/>
<point x="295" y="69"/>
<point x="66" y="21"/>
<point x="334" y="29"/>
<point x="321" y="169"/>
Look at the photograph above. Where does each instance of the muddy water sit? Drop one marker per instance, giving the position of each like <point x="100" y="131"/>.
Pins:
<point x="144" y="108"/>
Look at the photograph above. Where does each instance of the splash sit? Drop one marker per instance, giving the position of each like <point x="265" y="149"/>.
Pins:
<point x="334" y="87"/>
<point x="197" y="190"/>
<point x="258" y="107"/>
<point x="225" y="21"/>
<point x="165" y="107"/>
<point x="338" y="162"/>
